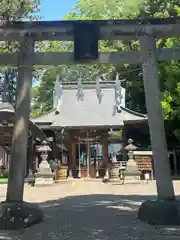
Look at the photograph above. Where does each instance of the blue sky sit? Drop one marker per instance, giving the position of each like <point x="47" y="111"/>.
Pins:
<point x="55" y="9"/>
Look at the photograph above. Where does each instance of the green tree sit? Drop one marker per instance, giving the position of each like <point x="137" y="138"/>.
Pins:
<point x="103" y="9"/>
<point x="16" y="10"/>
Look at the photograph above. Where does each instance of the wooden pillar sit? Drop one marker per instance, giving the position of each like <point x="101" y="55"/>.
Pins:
<point x="73" y="153"/>
<point x="21" y="121"/>
<point x="125" y="140"/>
<point x="88" y="158"/>
<point x="164" y="183"/>
<point x="105" y="155"/>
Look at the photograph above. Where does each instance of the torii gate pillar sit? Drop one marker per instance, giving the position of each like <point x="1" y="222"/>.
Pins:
<point x="21" y="122"/>
<point x="14" y="207"/>
<point x="162" y="210"/>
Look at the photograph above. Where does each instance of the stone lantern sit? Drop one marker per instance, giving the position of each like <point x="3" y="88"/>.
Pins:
<point x="131" y="172"/>
<point x="44" y="175"/>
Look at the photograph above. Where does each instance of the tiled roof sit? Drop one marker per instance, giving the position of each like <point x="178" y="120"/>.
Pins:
<point x="89" y="112"/>
<point x="46" y="118"/>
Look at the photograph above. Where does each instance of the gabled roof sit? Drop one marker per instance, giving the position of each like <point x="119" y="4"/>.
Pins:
<point x="89" y="112"/>
<point x="49" y="117"/>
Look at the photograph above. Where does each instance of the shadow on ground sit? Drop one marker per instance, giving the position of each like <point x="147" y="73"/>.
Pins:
<point x="97" y="217"/>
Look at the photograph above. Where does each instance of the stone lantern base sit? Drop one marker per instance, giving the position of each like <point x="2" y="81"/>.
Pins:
<point x="44" y="176"/>
<point x="44" y="179"/>
<point x="132" y="173"/>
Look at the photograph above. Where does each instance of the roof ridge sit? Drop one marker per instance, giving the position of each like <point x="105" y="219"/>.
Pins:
<point x="134" y="112"/>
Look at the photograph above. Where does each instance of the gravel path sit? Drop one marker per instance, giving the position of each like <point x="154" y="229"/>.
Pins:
<point x="84" y="210"/>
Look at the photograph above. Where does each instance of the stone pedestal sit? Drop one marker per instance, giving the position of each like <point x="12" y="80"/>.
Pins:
<point x="114" y="172"/>
<point x="30" y="179"/>
<point x="19" y="215"/>
<point x="131" y="173"/>
<point x="106" y="176"/>
<point x="44" y="176"/>
<point x="160" y="212"/>
<point x="70" y="175"/>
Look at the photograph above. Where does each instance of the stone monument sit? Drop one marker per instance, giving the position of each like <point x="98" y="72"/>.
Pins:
<point x="44" y="174"/>
<point x="131" y="173"/>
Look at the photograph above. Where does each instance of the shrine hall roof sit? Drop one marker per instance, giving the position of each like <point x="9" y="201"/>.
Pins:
<point x="48" y="117"/>
<point x="89" y="112"/>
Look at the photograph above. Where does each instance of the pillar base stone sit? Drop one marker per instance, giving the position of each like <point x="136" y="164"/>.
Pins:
<point x="19" y="215"/>
<point x="30" y="180"/>
<point x="160" y="212"/>
<point x="70" y="175"/>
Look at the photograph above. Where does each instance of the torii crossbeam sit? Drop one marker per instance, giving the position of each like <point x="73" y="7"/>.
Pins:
<point x="109" y="29"/>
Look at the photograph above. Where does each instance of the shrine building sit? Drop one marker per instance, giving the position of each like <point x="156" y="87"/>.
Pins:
<point x="88" y="122"/>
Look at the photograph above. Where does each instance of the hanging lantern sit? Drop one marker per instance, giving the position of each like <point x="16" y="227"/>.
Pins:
<point x="99" y="92"/>
<point x="80" y="91"/>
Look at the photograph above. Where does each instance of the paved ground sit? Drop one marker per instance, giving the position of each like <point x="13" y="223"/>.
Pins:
<point x="85" y="210"/>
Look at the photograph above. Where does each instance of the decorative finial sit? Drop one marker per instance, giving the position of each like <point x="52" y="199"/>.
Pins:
<point x="99" y="92"/>
<point x="80" y="91"/>
<point x="118" y="93"/>
<point x="57" y="78"/>
<point x="130" y="146"/>
<point x="118" y="82"/>
<point x="58" y="87"/>
<point x="117" y="76"/>
<point x="58" y="91"/>
<point x="56" y="82"/>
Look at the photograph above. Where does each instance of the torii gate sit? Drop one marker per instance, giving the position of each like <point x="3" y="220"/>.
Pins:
<point x="86" y="35"/>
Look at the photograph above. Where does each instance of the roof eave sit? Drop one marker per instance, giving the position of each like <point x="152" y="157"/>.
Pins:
<point x="143" y="116"/>
<point x="135" y="121"/>
<point x="87" y="127"/>
<point x="41" y="119"/>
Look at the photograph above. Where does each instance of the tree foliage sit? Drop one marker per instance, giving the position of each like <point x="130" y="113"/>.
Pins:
<point x="14" y="10"/>
<point x="169" y="72"/>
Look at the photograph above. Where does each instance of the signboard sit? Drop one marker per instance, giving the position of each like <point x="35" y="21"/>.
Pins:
<point x="144" y="162"/>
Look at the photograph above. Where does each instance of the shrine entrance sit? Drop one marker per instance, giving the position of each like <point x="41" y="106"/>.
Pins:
<point x="89" y="159"/>
<point x="83" y="158"/>
<point x="86" y="36"/>
<point x="88" y="156"/>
